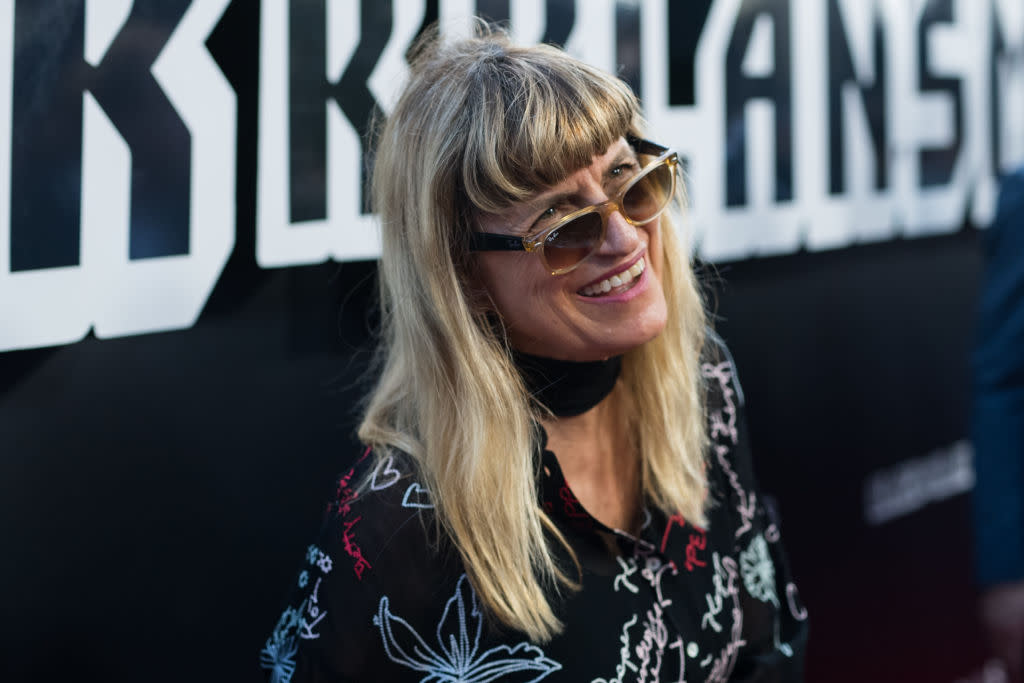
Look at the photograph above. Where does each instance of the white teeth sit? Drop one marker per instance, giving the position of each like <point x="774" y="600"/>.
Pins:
<point x="617" y="280"/>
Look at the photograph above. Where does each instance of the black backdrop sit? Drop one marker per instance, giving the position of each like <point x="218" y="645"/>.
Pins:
<point x="157" y="491"/>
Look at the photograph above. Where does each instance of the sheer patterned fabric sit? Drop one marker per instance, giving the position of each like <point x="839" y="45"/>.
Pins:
<point x="378" y="598"/>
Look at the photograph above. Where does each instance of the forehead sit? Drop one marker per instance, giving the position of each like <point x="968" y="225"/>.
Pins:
<point x="512" y="217"/>
<point x="599" y="166"/>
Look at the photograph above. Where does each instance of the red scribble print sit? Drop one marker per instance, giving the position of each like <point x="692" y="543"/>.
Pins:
<point x="363" y="456"/>
<point x="343" y="496"/>
<point x="676" y="519"/>
<point x="571" y="503"/>
<point x="697" y="542"/>
<point x="353" y="550"/>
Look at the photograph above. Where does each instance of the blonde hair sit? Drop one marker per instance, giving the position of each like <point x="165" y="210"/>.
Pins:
<point x="483" y="124"/>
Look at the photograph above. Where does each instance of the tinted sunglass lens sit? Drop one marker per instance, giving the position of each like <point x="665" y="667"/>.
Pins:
<point x="573" y="242"/>
<point x="649" y="195"/>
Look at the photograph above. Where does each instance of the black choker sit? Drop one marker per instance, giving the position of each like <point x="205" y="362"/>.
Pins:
<point x="567" y="388"/>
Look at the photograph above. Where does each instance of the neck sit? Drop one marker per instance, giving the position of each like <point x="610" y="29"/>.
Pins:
<point x="600" y="428"/>
<point x="568" y="388"/>
<point x="588" y="432"/>
<point x="599" y="462"/>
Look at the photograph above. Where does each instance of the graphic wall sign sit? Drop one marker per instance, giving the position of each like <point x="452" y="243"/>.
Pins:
<point x="117" y="168"/>
<point x="810" y="124"/>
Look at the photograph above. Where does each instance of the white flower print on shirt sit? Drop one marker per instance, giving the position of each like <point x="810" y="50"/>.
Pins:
<point x="278" y="654"/>
<point x="758" y="571"/>
<point x="458" y="634"/>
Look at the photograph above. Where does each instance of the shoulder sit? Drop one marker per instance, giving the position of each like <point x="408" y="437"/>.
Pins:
<point x="380" y="530"/>
<point x="718" y="370"/>
<point x="744" y="524"/>
<point x="380" y="496"/>
<point x="731" y="481"/>
<point x="377" y="543"/>
<point x="724" y="401"/>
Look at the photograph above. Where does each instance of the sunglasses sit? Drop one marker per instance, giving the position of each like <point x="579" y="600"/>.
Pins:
<point x="569" y="242"/>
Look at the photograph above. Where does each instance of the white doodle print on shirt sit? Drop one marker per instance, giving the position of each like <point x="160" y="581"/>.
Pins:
<point x="746" y="502"/>
<point x="723" y="423"/>
<point x="384" y="475"/>
<point x="724" y="581"/>
<point x="278" y="653"/>
<point x="652" y="571"/>
<point x="796" y="607"/>
<point x="677" y="644"/>
<point x="416" y="497"/>
<point x="325" y="563"/>
<point x="629" y="568"/>
<point x="723" y="665"/>
<point x="318" y="557"/>
<point x="758" y="571"/>
<point x="723" y="373"/>
<point x="458" y="636"/>
<point x="314" y="612"/>
<point x="625" y="664"/>
<point x="649" y="650"/>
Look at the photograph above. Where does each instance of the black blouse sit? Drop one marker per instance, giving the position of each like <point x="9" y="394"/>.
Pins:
<point x="379" y="599"/>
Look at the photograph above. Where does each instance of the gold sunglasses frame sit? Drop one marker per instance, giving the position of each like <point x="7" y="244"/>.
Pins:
<point x="481" y="241"/>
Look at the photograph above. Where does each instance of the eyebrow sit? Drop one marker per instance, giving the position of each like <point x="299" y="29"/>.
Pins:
<point x="542" y="201"/>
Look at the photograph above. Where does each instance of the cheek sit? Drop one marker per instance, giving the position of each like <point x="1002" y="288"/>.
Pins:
<point x="513" y="285"/>
<point x="530" y="303"/>
<point x="655" y="251"/>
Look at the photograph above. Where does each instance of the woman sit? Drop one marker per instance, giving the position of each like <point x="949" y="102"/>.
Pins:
<point x="541" y="325"/>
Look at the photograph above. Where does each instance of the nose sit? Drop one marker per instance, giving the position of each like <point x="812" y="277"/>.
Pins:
<point x="621" y="237"/>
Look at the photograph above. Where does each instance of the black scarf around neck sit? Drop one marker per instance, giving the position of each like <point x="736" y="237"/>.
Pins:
<point x="567" y="388"/>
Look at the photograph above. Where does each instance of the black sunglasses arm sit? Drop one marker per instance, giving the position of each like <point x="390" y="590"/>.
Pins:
<point x="489" y="241"/>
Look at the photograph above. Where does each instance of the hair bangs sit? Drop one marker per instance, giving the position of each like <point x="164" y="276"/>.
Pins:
<point x="536" y="117"/>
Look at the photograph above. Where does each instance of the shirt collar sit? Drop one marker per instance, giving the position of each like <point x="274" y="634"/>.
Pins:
<point x="560" y="503"/>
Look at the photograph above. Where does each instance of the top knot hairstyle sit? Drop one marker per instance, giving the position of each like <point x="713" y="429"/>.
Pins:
<point x="483" y="124"/>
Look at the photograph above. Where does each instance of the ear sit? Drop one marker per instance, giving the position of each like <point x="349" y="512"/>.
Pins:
<point x="480" y="301"/>
<point x="471" y="273"/>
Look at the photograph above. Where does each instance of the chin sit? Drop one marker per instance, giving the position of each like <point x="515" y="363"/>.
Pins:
<point x="627" y="347"/>
<point x="607" y="348"/>
<point x="590" y="340"/>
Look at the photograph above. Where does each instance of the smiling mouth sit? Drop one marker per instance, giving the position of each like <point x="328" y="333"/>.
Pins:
<point x="618" y="283"/>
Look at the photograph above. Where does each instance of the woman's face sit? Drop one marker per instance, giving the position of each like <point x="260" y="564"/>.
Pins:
<point x="569" y="316"/>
